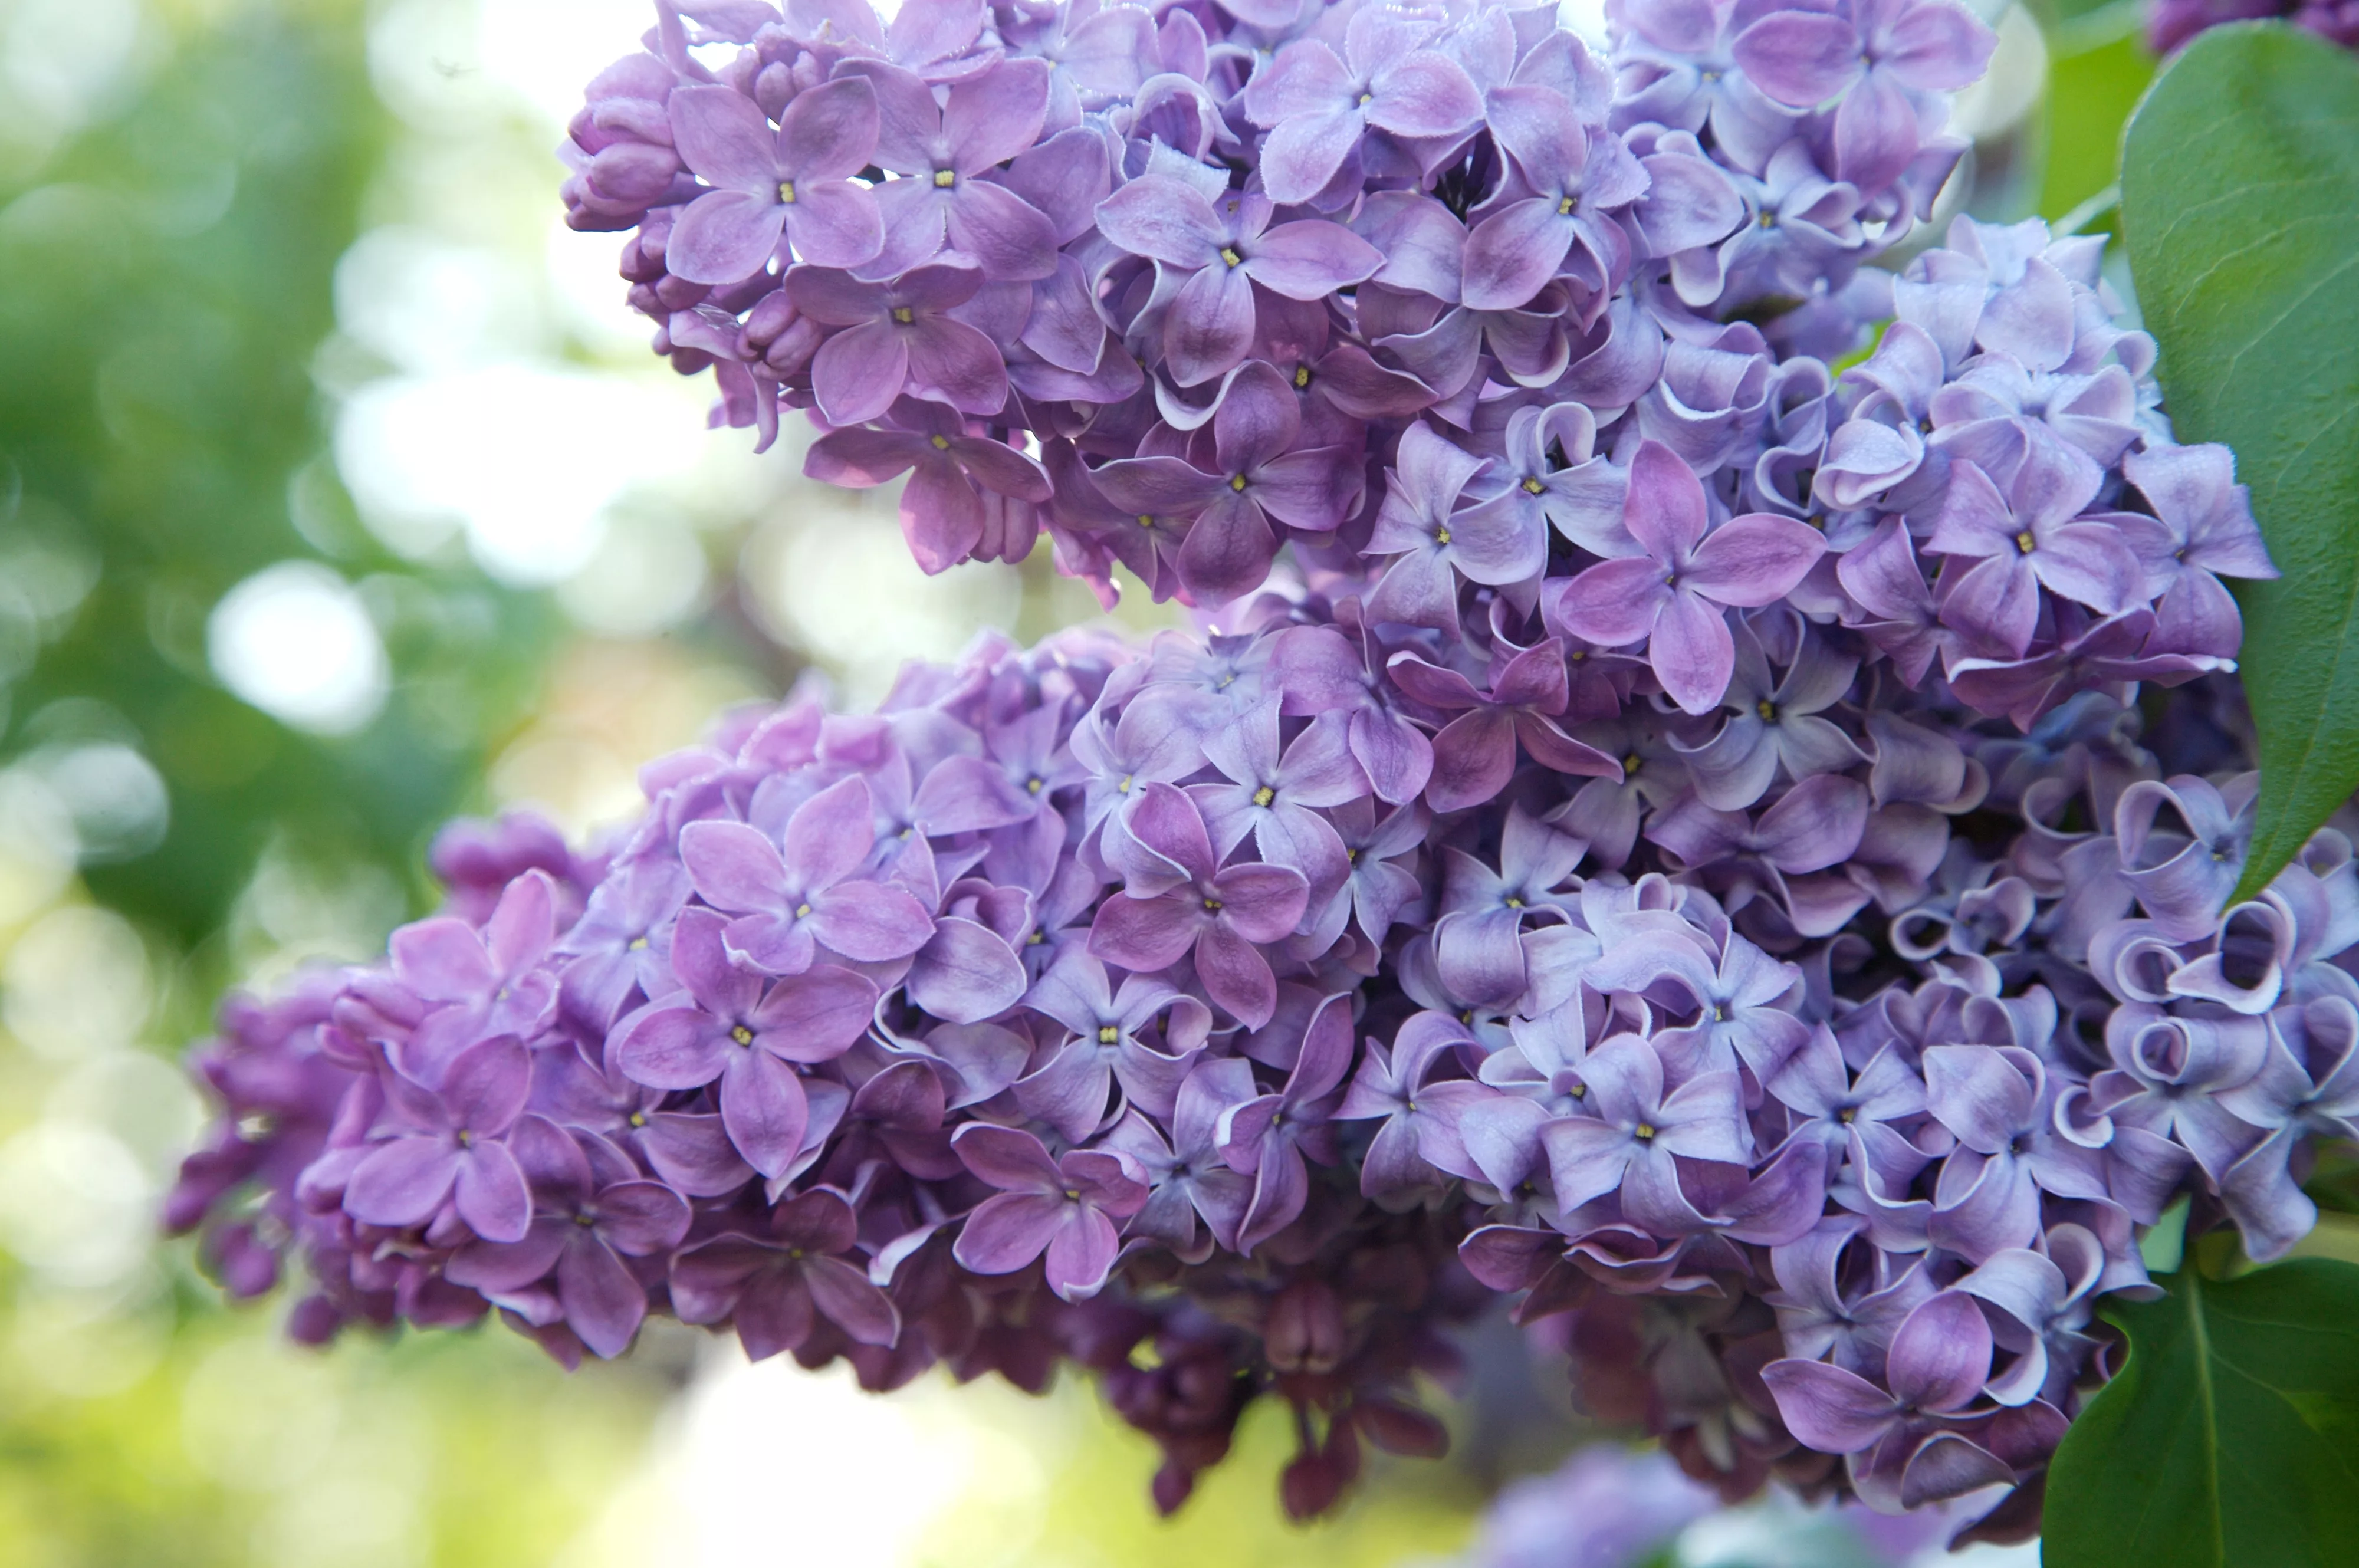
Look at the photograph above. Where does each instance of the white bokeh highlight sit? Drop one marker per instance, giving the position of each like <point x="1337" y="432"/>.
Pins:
<point x="295" y="641"/>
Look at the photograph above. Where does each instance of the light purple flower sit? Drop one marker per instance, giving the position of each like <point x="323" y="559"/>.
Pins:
<point x="1773" y="725"/>
<point x="1630" y="1132"/>
<point x="1568" y="178"/>
<point x="2201" y="530"/>
<point x="1874" y="59"/>
<point x="795" y="181"/>
<point x="1319" y="105"/>
<point x="2029" y="537"/>
<point x="1277" y="798"/>
<point x="1198" y="906"/>
<point x="944" y="153"/>
<point x="1210" y="255"/>
<point x="448" y="1145"/>
<point x="749" y="1035"/>
<point x="789" y="906"/>
<point x="1673" y="596"/>
<point x="1433" y="542"/>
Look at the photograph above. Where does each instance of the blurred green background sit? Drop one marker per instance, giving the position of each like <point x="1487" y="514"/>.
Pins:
<point x="338" y="494"/>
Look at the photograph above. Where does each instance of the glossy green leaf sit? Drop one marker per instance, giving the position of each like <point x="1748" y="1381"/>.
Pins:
<point x="2240" y="199"/>
<point x="2231" y="1437"/>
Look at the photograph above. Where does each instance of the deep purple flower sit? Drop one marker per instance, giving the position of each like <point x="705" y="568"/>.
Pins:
<point x="943" y="507"/>
<point x="774" y="1288"/>
<point x="591" y="1210"/>
<point x="1065" y="1208"/>
<point x="899" y="338"/>
<point x="1474" y="754"/>
<point x="1258" y="473"/>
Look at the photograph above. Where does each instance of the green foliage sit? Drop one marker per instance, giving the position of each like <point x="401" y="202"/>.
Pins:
<point x="2240" y="195"/>
<point x="2091" y="92"/>
<point x="164" y="279"/>
<point x="2227" y="1438"/>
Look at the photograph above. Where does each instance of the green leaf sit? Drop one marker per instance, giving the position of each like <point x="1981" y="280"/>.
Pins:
<point x="2240" y="199"/>
<point x="2230" y="1439"/>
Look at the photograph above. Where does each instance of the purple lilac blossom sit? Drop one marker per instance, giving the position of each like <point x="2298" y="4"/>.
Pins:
<point x="1676" y="847"/>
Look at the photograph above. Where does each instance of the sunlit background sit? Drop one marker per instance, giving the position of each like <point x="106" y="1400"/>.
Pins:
<point x="339" y="494"/>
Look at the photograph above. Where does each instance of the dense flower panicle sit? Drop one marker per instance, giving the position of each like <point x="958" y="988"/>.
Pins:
<point x="1684" y="852"/>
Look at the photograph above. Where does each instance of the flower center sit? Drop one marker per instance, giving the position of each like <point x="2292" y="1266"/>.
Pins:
<point x="1301" y="376"/>
<point x="1034" y="786"/>
<point x="2025" y="542"/>
<point x="638" y="1118"/>
<point x="465" y="1137"/>
<point x="941" y="443"/>
<point x="1644" y="1132"/>
<point x="1123" y="788"/>
<point x="1515" y="901"/>
<point x="785" y="190"/>
<point x="1212" y="904"/>
<point x="637" y="943"/>
<point x="1441" y="535"/>
<point x="1229" y="254"/>
<point x="1564" y="207"/>
<point x="1632" y="763"/>
<point x="1367" y="98"/>
<point x="945" y="177"/>
<point x="1236" y="481"/>
<point x="1108" y="1034"/>
<point x="802" y="911"/>
<point x="1532" y="486"/>
<point x="903" y="314"/>
<point x="1264" y="795"/>
<point x="742" y="1035"/>
<point x="1767" y="710"/>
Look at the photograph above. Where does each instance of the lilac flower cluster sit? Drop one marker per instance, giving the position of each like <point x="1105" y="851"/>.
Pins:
<point x="1175" y="285"/>
<point x="1164" y="1015"/>
<point x="1681" y="854"/>
<point x="2169" y="24"/>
